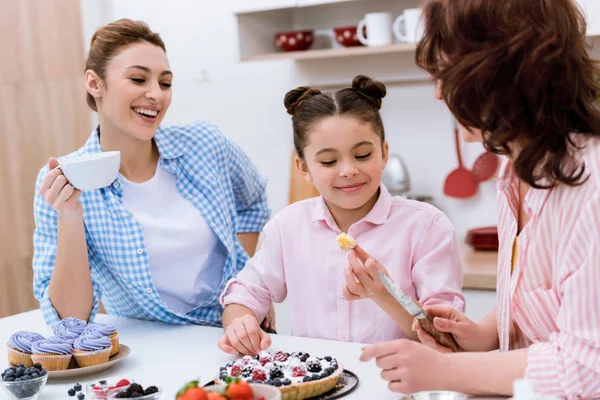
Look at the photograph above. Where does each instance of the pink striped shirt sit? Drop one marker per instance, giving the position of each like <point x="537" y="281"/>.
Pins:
<point x="300" y="260"/>
<point x="551" y="302"/>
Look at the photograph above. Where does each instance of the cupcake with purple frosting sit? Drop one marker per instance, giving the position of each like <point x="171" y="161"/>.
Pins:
<point x="92" y="349"/>
<point x="53" y="353"/>
<point x="70" y="329"/>
<point x="105" y="330"/>
<point x="19" y="347"/>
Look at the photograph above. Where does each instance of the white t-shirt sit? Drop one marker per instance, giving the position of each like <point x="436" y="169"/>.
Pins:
<point x="186" y="257"/>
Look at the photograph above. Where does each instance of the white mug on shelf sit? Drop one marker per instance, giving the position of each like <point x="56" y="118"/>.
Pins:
<point x="379" y="29"/>
<point x="412" y="23"/>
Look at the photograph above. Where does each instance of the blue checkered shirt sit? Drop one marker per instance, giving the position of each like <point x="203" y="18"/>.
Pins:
<point x="212" y="173"/>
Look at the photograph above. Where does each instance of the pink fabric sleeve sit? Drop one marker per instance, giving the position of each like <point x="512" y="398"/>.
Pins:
<point x="437" y="271"/>
<point x="262" y="281"/>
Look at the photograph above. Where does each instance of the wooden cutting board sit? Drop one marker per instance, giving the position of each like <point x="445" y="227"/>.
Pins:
<point x="299" y="188"/>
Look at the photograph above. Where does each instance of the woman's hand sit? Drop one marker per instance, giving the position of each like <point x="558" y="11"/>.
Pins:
<point x="362" y="278"/>
<point x="468" y="334"/>
<point x="59" y="193"/>
<point x="268" y="323"/>
<point x="244" y="336"/>
<point x="409" y="366"/>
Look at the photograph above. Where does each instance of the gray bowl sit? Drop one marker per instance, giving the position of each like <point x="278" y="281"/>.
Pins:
<point x="437" y="395"/>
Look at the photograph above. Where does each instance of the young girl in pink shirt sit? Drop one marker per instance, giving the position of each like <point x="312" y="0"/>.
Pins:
<point x="341" y="148"/>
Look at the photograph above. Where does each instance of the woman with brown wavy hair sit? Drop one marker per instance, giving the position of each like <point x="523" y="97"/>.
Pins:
<point x="518" y="74"/>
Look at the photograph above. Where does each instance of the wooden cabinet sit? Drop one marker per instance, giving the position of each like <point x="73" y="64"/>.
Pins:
<point x="42" y="113"/>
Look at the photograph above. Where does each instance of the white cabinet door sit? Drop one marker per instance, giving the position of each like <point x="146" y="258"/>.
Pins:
<point x="247" y="6"/>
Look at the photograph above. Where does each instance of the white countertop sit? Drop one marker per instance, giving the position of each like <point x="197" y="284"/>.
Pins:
<point x="172" y="355"/>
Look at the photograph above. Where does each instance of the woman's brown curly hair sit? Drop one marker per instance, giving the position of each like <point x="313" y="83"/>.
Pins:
<point x="520" y="71"/>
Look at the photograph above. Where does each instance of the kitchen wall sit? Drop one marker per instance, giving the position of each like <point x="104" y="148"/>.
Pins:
<point x="246" y="99"/>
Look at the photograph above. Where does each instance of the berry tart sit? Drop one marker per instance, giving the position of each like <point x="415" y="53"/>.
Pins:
<point x="298" y="375"/>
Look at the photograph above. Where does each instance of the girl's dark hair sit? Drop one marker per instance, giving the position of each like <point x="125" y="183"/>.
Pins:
<point x="307" y="106"/>
<point x="520" y="71"/>
<point x="108" y="41"/>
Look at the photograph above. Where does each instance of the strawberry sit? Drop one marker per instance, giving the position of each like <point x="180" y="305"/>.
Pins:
<point x="280" y="356"/>
<point x="217" y="396"/>
<point x="236" y="370"/>
<point x="191" y="391"/>
<point x="195" y="393"/>
<point x="239" y="390"/>
<point x="298" y="371"/>
<point x="122" y="382"/>
<point x="259" y="375"/>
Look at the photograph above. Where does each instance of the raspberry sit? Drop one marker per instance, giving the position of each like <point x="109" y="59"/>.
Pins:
<point x="280" y="356"/>
<point x="246" y="360"/>
<point x="264" y="357"/>
<point x="236" y="370"/>
<point x="259" y="375"/>
<point x="298" y="371"/>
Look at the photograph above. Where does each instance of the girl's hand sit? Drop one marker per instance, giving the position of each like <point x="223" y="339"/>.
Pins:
<point x="244" y="336"/>
<point x="409" y="366"/>
<point x="362" y="278"/>
<point x="59" y="193"/>
<point x="467" y="333"/>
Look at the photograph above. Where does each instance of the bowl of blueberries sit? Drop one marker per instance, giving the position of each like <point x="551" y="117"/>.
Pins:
<point x="24" y="383"/>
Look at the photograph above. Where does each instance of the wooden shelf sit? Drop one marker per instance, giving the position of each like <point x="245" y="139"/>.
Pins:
<point x="334" y="53"/>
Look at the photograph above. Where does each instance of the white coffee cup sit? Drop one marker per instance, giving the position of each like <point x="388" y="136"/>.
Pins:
<point x="379" y="29"/>
<point x="412" y="23"/>
<point x="91" y="171"/>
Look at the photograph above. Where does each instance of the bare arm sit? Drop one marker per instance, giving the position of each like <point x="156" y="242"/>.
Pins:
<point x="233" y="311"/>
<point x="489" y="373"/>
<point x="249" y="240"/>
<point x="392" y="308"/>
<point x="70" y="289"/>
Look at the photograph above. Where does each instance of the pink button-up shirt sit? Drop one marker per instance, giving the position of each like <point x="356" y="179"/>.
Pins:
<point x="300" y="260"/>
<point x="551" y="302"/>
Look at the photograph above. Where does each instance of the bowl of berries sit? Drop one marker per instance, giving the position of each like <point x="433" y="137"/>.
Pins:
<point x="135" y="390"/>
<point x="235" y="389"/>
<point x="24" y="383"/>
<point x="101" y="389"/>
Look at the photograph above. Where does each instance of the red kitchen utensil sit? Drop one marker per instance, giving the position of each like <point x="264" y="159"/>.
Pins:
<point x="460" y="182"/>
<point x="485" y="166"/>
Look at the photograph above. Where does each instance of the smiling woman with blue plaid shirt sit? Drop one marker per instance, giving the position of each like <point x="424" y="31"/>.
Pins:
<point x="178" y="221"/>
